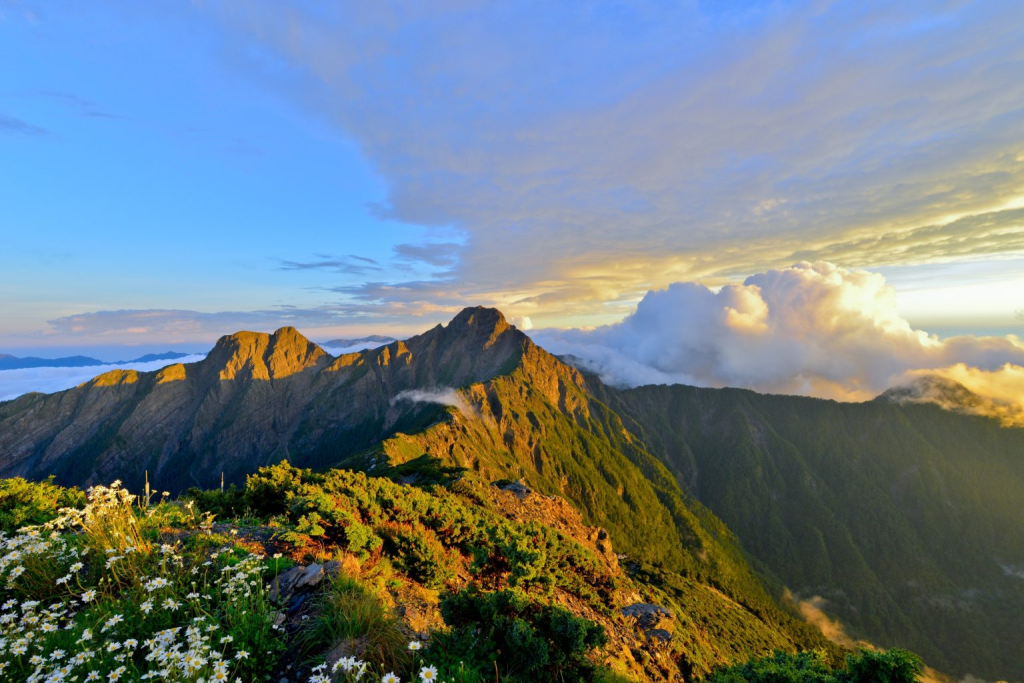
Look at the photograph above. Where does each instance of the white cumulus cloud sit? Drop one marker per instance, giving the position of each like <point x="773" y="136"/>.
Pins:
<point x="810" y="329"/>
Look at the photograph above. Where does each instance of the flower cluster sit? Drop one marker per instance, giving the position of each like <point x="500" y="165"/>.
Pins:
<point x="90" y="597"/>
<point x="354" y="669"/>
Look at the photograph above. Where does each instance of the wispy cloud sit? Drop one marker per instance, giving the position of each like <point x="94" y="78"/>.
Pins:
<point x="440" y="254"/>
<point x="81" y="105"/>
<point x="349" y="265"/>
<point x="12" y="124"/>
<point x="709" y="144"/>
<point x="445" y="396"/>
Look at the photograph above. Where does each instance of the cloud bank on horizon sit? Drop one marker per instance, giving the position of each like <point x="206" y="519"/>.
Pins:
<point x="810" y="329"/>
<point x="14" y="383"/>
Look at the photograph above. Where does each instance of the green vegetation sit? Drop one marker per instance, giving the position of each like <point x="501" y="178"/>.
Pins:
<point x="23" y="503"/>
<point x="894" y="666"/>
<point x="348" y="612"/>
<point x="524" y="639"/>
<point x="94" y="594"/>
<point x="121" y="589"/>
<point x="906" y="519"/>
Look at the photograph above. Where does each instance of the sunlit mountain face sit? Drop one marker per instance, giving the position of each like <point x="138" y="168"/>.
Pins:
<point x="567" y="341"/>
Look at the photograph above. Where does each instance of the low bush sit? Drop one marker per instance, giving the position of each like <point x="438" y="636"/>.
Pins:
<point x="528" y="640"/>
<point x="894" y="666"/>
<point x="24" y="503"/>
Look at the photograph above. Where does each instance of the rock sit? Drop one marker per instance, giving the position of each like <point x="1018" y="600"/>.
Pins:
<point x="332" y="568"/>
<point x="283" y="584"/>
<point x="648" y="616"/>
<point x="516" y="487"/>
<point x="279" y="618"/>
<point x="296" y="602"/>
<point x="659" y="634"/>
<point x="313" y="575"/>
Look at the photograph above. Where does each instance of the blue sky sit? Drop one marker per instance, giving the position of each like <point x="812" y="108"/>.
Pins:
<point x="172" y="171"/>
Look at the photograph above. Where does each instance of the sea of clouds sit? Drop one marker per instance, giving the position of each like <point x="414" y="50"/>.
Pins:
<point x="810" y="329"/>
<point x="14" y="383"/>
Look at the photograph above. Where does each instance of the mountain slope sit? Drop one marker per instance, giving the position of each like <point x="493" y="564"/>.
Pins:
<point x="258" y="399"/>
<point x="905" y="517"/>
<point x="254" y="400"/>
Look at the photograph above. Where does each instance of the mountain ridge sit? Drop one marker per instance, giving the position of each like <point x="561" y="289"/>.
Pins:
<point x="705" y="482"/>
<point x="9" y="362"/>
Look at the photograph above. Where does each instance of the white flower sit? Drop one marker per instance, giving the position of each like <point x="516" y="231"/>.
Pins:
<point x="428" y="673"/>
<point x="156" y="584"/>
<point x="415" y="645"/>
<point x="112" y="622"/>
<point x="390" y="677"/>
<point x="88" y="596"/>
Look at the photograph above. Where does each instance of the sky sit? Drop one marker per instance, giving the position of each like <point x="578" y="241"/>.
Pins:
<point x="174" y="171"/>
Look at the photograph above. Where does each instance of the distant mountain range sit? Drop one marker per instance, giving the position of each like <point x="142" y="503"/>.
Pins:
<point x="359" y="341"/>
<point x="901" y="518"/>
<point x="8" y="362"/>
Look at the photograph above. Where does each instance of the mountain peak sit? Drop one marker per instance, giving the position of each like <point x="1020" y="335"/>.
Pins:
<point x="486" y="324"/>
<point x="264" y="356"/>
<point x="932" y="389"/>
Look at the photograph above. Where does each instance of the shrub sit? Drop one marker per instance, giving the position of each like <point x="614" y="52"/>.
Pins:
<point x="894" y="666"/>
<point x="24" y="503"/>
<point x="528" y="640"/>
<point x="420" y="554"/>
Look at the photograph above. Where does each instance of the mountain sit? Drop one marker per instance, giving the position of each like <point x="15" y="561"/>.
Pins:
<point x="905" y="517"/>
<point x="8" y="362"/>
<point x="258" y="399"/>
<point x="899" y="517"/>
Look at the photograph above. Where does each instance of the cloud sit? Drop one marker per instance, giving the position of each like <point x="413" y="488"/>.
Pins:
<point x="810" y="329"/>
<point x="15" y="125"/>
<point x="715" y="140"/>
<point x="349" y="265"/>
<point x="440" y="254"/>
<point x="994" y="393"/>
<point x="353" y="348"/>
<point x="441" y="396"/>
<point x="14" y="383"/>
<point x="84" y="107"/>
<point x="812" y="610"/>
<point x="172" y="325"/>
